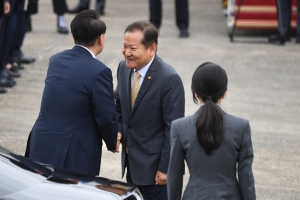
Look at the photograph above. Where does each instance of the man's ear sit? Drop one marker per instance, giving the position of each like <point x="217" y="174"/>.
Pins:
<point x="101" y="39"/>
<point x="153" y="49"/>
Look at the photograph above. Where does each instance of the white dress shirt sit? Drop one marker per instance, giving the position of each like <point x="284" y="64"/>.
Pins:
<point x="86" y="49"/>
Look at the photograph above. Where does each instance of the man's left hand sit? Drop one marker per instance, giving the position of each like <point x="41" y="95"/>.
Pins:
<point x="160" y="178"/>
<point x="118" y="143"/>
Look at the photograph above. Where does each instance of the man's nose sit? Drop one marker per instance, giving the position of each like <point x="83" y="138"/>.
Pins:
<point x="127" y="52"/>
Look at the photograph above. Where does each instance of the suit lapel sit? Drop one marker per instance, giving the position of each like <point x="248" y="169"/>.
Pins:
<point x="148" y="79"/>
<point x="128" y="90"/>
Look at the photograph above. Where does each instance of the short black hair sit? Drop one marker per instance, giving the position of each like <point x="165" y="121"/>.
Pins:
<point x="150" y="32"/>
<point x="86" y="27"/>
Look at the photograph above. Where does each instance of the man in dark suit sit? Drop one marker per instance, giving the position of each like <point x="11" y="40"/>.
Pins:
<point x="182" y="15"/>
<point x="84" y="4"/>
<point x="149" y="97"/>
<point x="284" y="11"/>
<point x="77" y="109"/>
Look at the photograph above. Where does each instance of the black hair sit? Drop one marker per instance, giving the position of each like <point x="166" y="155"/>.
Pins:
<point x="150" y="32"/>
<point x="87" y="27"/>
<point x="210" y="83"/>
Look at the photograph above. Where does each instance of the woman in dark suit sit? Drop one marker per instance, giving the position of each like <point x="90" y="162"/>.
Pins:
<point x="216" y="146"/>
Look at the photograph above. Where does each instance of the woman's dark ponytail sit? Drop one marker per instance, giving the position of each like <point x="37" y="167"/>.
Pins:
<point x="210" y="83"/>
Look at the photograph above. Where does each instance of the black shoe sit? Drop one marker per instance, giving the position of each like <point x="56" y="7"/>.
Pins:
<point x="298" y="38"/>
<point x="78" y="9"/>
<point x="18" y="66"/>
<point x="14" y="69"/>
<point x="9" y="73"/>
<point x="5" y="82"/>
<point x="27" y="60"/>
<point x="7" y="76"/>
<point x="279" y="38"/>
<point x="62" y="30"/>
<point x="3" y="91"/>
<point x="61" y="25"/>
<point x="184" y="33"/>
<point x="24" y="60"/>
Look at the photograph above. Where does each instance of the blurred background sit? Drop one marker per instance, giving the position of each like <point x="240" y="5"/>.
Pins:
<point x="263" y="81"/>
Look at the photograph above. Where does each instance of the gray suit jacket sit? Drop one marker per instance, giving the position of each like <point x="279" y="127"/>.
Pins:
<point x="212" y="177"/>
<point x="146" y="127"/>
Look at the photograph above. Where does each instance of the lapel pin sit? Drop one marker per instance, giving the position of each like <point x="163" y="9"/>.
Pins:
<point x="149" y="77"/>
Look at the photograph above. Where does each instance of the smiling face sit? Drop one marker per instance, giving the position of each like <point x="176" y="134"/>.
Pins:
<point x="136" y="54"/>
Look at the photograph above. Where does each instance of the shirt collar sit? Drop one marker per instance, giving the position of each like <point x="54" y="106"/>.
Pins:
<point x="144" y="70"/>
<point x="87" y="49"/>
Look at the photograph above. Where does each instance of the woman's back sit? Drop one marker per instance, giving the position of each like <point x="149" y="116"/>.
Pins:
<point x="216" y="146"/>
<point x="212" y="176"/>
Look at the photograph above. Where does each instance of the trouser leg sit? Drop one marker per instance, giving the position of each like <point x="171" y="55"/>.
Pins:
<point x="182" y="14"/>
<point x="284" y="15"/>
<point x="84" y="3"/>
<point x="100" y="5"/>
<point x="20" y="34"/>
<point x="10" y="38"/>
<point x="59" y="7"/>
<point x="155" y="12"/>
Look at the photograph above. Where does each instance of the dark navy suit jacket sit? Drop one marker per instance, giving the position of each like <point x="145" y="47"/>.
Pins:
<point x="77" y="112"/>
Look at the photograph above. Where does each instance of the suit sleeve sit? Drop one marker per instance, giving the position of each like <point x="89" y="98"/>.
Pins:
<point x="104" y="107"/>
<point x="173" y="108"/>
<point x="176" y="167"/>
<point x="118" y="107"/>
<point x="246" y="179"/>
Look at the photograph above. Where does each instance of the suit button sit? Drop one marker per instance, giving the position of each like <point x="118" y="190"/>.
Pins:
<point x="128" y="126"/>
